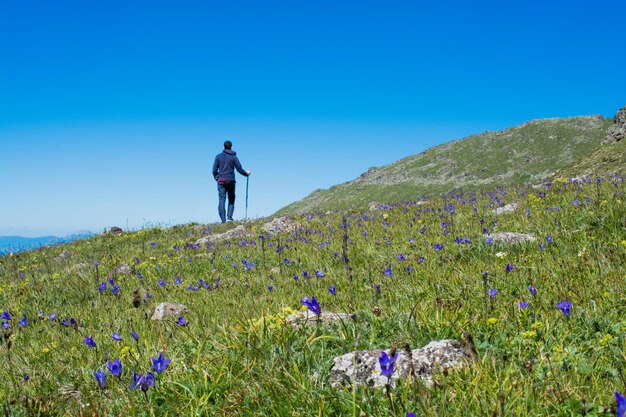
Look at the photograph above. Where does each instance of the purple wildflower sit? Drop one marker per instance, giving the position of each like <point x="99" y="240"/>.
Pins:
<point x="312" y="305"/>
<point x="159" y="364"/>
<point x="386" y="363"/>
<point x="565" y="307"/>
<point x="333" y="289"/>
<point x="101" y="378"/>
<point x="115" y="368"/>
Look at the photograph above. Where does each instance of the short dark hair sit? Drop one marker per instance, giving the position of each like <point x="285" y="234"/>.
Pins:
<point x="228" y="144"/>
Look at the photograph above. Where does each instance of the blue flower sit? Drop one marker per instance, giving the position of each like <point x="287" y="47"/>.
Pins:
<point x="178" y="281"/>
<point x="312" y="305"/>
<point x="115" y="289"/>
<point x="532" y="290"/>
<point x="488" y="240"/>
<point x="388" y="271"/>
<point x="5" y="315"/>
<point x="401" y="257"/>
<point x="565" y="307"/>
<point x="101" y="378"/>
<point x="333" y="289"/>
<point x="23" y="321"/>
<point x="522" y="304"/>
<point x="270" y="287"/>
<point x="134" y="335"/>
<point x="438" y="246"/>
<point x="493" y="293"/>
<point x="159" y="364"/>
<point x="102" y="287"/>
<point x="181" y="321"/>
<point x="621" y="404"/>
<point x="116" y="337"/>
<point x="319" y="274"/>
<point x="377" y="286"/>
<point x="115" y="368"/>
<point x="509" y="268"/>
<point x="142" y="382"/>
<point x="161" y="282"/>
<point x="549" y="239"/>
<point x="89" y="341"/>
<point x="386" y="363"/>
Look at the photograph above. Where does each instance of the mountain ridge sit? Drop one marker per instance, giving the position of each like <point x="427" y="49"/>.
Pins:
<point x="530" y="152"/>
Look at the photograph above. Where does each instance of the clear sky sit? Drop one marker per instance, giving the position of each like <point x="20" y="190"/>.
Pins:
<point x="111" y="114"/>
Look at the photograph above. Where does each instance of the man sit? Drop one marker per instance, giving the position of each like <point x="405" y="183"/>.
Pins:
<point x="224" y="173"/>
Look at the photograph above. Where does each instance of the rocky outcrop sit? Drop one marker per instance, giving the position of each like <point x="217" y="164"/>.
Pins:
<point x="617" y="132"/>
<point x="363" y="367"/>
<point x="511" y="238"/>
<point x="114" y="231"/>
<point x="165" y="310"/>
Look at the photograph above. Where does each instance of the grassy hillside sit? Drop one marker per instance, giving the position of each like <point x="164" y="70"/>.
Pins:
<point x="419" y="272"/>
<point x="527" y="153"/>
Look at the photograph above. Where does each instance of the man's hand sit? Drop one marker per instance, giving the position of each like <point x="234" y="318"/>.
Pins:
<point x="248" y="172"/>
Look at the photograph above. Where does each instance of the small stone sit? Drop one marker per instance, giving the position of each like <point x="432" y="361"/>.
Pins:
<point x="509" y="208"/>
<point x="66" y="254"/>
<point x="280" y="224"/>
<point x="511" y="238"/>
<point x="326" y="318"/>
<point x="165" y="310"/>
<point x="115" y="231"/>
<point x="234" y="233"/>
<point x="124" y="269"/>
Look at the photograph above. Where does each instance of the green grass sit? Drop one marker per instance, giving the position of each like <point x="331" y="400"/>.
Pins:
<point x="527" y="153"/>
<point x="236" y="357"/>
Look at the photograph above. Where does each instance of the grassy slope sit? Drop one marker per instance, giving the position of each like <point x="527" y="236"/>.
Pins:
<point x="608" y="158"/>
<point x="235" y="357"/>
<point x="529" y="152"/>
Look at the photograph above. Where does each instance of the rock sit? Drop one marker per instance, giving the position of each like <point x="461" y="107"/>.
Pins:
<point x="363" y="368"/>
<point x="511" y="238"/>
<point x="124" y="269"/>
<point x="165" y="310"/>
<point x="326" y="318"/>
<point x="234" y="233"/>
<point x="114" y="231"/>
<point x="281" y="224"/>
<point x="66" y="254"/>
<point x="509" y="208"/>
<point x="617" y="132"/>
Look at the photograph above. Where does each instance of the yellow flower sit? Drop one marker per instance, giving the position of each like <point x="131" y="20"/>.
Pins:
<point x="530" y="334"/>
<point x="606" y="339"/>
<point x="492" y="321"/>
<point x="45" y="350"/>
<point x="624" y="242"/>
<point x="537" y="325"/>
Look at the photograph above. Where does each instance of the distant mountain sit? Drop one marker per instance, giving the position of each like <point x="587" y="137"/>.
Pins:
<point x="526" y="153"/>
<point x="10" y="244"/>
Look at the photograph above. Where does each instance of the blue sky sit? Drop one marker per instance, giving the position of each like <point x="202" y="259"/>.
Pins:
<point x="112" y="113"/>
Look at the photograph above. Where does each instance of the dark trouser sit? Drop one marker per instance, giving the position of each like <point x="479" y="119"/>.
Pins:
<point x="223" y="189"/>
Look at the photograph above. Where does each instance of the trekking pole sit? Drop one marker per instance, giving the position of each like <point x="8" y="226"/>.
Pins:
<point x="247" y="182"/>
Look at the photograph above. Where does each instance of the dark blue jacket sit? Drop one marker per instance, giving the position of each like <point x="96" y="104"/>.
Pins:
<point x="225" y="164"/>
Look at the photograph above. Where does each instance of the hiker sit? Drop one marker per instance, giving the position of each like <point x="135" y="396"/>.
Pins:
<point x="224" y="173"/>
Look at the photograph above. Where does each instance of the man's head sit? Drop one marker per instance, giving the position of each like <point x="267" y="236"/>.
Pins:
<point x="228" y="145"/>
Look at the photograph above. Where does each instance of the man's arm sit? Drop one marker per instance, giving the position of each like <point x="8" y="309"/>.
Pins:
<point x="215" y="169"/>
<point x="240" y="169"/>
